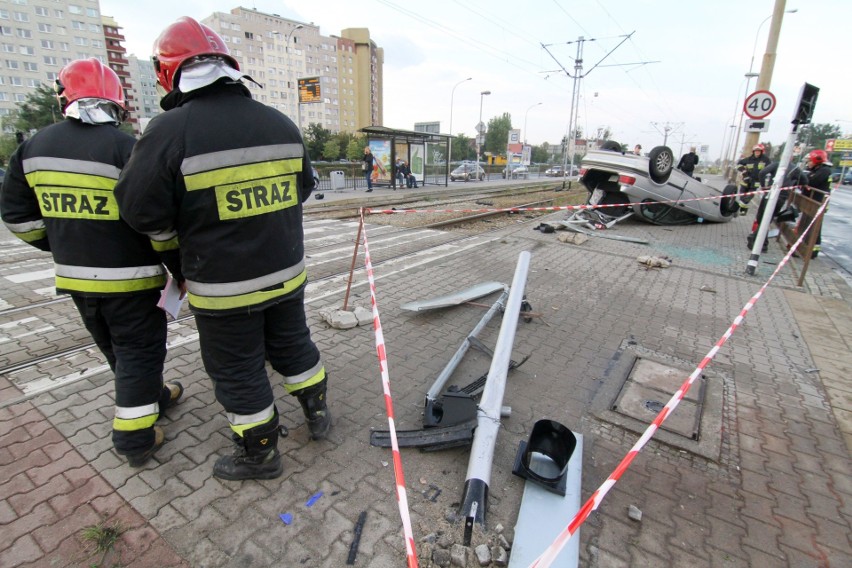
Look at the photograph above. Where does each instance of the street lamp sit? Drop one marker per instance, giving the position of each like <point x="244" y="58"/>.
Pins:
<point x="525" y="120"/>
<point x="748" y="77"/>
<point x="481" y="133"/>
<point x="287" y="53"/>
<point x="453" y="94"/>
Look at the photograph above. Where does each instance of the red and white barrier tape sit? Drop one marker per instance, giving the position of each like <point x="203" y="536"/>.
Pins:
<point x="401" y="494"/>
<point x="556" y="208"/>
<point x="550" y="554"/>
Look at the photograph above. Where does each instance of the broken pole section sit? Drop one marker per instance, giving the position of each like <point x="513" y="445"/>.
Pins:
<point x="474" y="498"/>
<point x="354" y="258"/>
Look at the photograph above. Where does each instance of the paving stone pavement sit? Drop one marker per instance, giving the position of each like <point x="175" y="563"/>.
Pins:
<point x="777" y="492"/>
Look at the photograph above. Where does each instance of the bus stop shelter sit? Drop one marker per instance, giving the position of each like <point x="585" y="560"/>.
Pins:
<point x="425" y="152"/>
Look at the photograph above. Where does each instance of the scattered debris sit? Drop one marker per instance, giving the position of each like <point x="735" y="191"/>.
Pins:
<point x="458" y="555"/>
<point x="499" y="556"/>
<point x="314" y="498"/>
<point x="654" y="261"/>
<point x="545" y="228"/>
<point x="432" y="493"/>
<point x="813" y="370"/>
<point x="287" y="518"/>
<point x="634" y="513"/>
<point x="706" y="288"/>
<point x="356" y="538"/>
<point x="319" y="196"/>
<point x="483" y="554"/>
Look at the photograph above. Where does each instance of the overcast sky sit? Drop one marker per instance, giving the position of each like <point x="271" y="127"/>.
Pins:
<point x="682" y="70"/>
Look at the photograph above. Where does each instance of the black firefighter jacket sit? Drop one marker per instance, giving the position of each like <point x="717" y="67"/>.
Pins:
<point x="58" y="196"/>
<point x="227" y="176"/>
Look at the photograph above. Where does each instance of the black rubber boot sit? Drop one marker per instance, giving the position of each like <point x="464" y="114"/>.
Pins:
<point x="316" y="412"/>
<point x="170" y="394"/>
<point x="255" y="456"/>
<point x="140" y="459"/>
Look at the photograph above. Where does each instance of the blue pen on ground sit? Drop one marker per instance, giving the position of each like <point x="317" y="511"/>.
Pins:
<point x="287" y="518"/>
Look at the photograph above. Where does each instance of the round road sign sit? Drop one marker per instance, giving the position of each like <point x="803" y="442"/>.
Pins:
<point x="759" y="104"/>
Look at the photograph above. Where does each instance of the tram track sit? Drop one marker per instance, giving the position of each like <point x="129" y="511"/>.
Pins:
<point x="329" y="270"/>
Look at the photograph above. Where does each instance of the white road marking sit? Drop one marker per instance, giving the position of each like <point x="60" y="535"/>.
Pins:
<point x="31" y="276"/>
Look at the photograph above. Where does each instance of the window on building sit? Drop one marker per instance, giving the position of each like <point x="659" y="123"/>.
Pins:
<point x="52" y="76"/>
<point x="8" y="48"/>
<point x="45" y="28"/>
<point x="22" y="17"/>
<point x="75" y="9"/>
<point x="26" y="34"/>
<point x="49" y="60"/>
<point x="4" y="14"/>
<point x="33" y="83"/>
<point x="92" y="13"/>
<point x="16" y="81"/>
<point x="4" y="96"/>
<point x="40" y="11"/>
<point x="77" y="25"/>
<point x="97" y="43"/>
<point x="30" y="66"/>
<point x="96" y="28"/>
<point x="11" y="64"/>
<point x="59" y="14"/>
<point x="27" y="50"/>
<point x="20" y="97"/>
<point x="80" y="41"/>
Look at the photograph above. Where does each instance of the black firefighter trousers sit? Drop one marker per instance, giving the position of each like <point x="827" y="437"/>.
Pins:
<point x="131" y="333"/>
<point x="235" y="346"/>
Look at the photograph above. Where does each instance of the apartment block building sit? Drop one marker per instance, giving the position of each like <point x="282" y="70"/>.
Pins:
<point x="277" y="52"/>
<point x="143" y="90"/>
<point x="37" y="39"/>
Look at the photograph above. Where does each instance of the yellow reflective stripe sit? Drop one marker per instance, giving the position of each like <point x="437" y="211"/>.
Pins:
<point x="161" y="246"/>
<point x="77" y="203"/>
<point x="32" y="236"/>
<point x="318" y="377"/>
<point x="249" y="299"/>
<point x="67" y="179"/>
<point x="110" y="286"/>
<point x="242" y="422"/>
<point x="131" y="424"/>
<point x="256" y="197"/>
<point x="239" y="174"/>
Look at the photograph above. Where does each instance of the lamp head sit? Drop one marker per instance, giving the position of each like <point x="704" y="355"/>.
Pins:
<point x="485" y="93"/>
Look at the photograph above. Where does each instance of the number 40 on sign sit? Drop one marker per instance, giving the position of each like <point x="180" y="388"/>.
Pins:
<point x="759" y="104"/>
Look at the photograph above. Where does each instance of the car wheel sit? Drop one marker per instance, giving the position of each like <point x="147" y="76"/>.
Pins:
<point x="661" y="162"/>
<point x="729" y="205"/>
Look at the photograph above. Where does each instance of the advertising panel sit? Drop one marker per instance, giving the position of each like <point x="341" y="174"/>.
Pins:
<point x="381" y="150"/>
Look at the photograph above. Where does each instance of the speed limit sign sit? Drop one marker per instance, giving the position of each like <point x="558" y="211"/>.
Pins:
<point x="759" y="104"/>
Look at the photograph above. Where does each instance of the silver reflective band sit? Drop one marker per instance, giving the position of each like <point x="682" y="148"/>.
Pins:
<point x="25" y="227"/>
<point x="239" y="157"/>
<point x="71" y="166"/>
<point x="240" y="419"/>
<point x="302" y="377"/>
<point x="245" y="286"/>
<point x="162" y="236"/>
<point x="134" y="412"/>
<point x="100" y="273"/>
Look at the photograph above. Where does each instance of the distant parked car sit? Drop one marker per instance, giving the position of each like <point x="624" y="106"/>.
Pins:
<point x="554" y="171"/>
<point x="519" y="171"/>
<point x="467" y="171"/>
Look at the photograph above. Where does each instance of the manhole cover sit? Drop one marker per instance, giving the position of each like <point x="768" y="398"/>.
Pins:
<point x="648" y="384"/>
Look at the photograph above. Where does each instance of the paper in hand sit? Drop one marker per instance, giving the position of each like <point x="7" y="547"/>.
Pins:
<point x="171" y="298"/>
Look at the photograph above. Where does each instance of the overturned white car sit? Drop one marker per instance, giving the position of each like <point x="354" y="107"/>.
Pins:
<point x="635" y="186"/>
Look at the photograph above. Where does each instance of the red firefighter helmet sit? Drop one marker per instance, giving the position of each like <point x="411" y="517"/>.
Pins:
<point x="817" y="157"/>
<point x="88" y="78"/>
<point x="181" y="41"/>
<point x="760" y="147"/>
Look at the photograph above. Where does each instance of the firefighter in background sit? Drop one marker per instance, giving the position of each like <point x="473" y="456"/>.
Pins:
<point x="228" y="176"/>
<point x="750" y="167"/>
<point x="57" y="196"/>
<point x="818" y="171"/>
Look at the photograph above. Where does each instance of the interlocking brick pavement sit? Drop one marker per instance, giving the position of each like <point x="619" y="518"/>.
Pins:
<point x="777" y="493"/>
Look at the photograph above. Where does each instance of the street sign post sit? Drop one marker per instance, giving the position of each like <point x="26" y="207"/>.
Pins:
<point x="759" y="104"/>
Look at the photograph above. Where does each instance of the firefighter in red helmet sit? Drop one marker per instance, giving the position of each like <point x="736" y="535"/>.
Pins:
<point x="57" y="196"/>
<point x="228" y="176"/>
<point x="750" y="167"/>
<point x="818" y="171"/>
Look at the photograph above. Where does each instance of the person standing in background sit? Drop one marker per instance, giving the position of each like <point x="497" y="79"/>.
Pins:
<point x="367" y="166"/>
